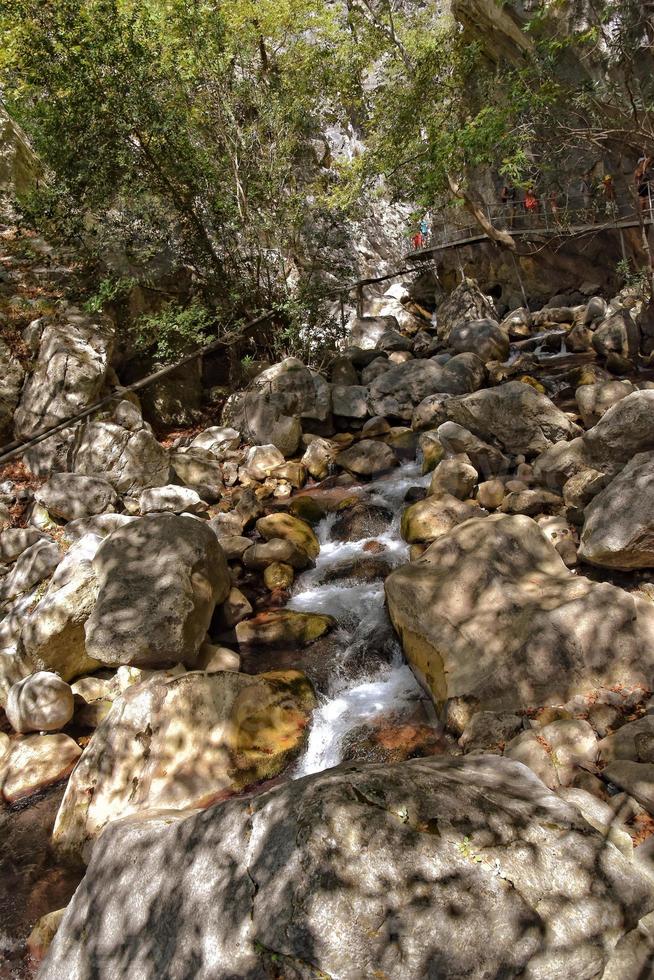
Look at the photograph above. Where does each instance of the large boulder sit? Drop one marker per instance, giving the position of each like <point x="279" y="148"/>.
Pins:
<point x="71" y="495"/>
<point x="485" y="338"/>
<point x="11" y="382"/>
<point x="33" y="566"/>
<point x="69" y="373"/>
<point x="617" y="334"/>
<point x="520" y="418"/>
<point x="292" y="529"/>
<point x="173" y="743"/>
<point x="625" y="429"/>
<point x="396" y="393"/>
<point x="429" y="868"/>
<point x="122" y="450"/>
<point x="490" y="612"/>
<point x="159" y="580"/>
<point x="485" y="458"/>
<point x="464" y="304"/>
<point x="53" y="630"/>
<point x="41" y="702"/>
<point x="367" y="458"/>
<point x="428" y="519"/>
<point x="277" y="402"/>
<point x="595" y="399"/>
<point x="618" y="528"/>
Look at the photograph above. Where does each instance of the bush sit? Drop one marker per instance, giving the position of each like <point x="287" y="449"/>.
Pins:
<point x="173" y="332"/>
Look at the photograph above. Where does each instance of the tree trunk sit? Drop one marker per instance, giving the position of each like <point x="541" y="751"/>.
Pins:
<point x="496" y="235"/>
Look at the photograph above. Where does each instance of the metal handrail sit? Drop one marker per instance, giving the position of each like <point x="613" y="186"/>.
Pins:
<point x="549" y="216"/>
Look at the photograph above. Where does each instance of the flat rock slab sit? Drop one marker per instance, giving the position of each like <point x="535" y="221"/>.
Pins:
<point x="35" y="762"/>
<point x="449" y="868"/>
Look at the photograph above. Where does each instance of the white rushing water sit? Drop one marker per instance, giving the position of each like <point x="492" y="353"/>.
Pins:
<point x="388" y="689"/>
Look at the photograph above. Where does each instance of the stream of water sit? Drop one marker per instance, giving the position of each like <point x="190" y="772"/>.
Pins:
<point x="388" y="689"/>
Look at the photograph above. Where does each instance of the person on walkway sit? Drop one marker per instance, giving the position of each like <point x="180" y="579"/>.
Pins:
<point x="553" y="202"/>
<point x="416" y="241"/>
<point x="424" y="229"/>
<point x="531" y="203"/>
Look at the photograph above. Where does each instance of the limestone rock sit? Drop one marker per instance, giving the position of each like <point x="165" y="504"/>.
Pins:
<point x="369" y="457"/>
<point x="350" y="401"/>
<point x="595" y="399"/>
<point x="432" y="517"/>
<point x="171" y="499"/>
<point x="617" y="334"/>
<point x="35" y="564"/>
<point x="35" y="762"/>
<point x="260" y="556"/>
<point x="262" y="460"/>
<point x="361" y="521"/>
<point x="635" y="778"/>
<point x="69" y="373"/>
<point x="53" y="631"/>
<point x="123" y="450"/>
<point x="15" y="540"/>
<point x="535" y="890"/>
<point x="485" y="458"/>
<point x="455" y="476"/>
<point x="319" y="456"/>
<point x="465" y="303"/>
<point x="183" y="742"/>
<point x="198" y="468"/>
<point x="618" y="529"/>
<point x="430" y="412"/>
<point x="71" y="496"/>
<point x="625" y="429"/>
<point x="40" y="703"/>
<point x="485" y="338"/>
<point x="216" y="439"/>
<point x="397" y="392"/>
<point x="522" y="419"/>
<point x="159" y="580"/>
<point x="366" y="331"/>
<point x="491" y="612"/>
<point x="278" y="576"/>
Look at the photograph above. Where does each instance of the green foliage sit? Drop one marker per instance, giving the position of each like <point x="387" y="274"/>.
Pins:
<point x="638" y="279"/>
<point x="173" y="332"/>
<point x="109" y="290"/>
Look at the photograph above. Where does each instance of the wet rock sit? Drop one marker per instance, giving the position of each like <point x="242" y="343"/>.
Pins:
<point x="71" y="496"/>
<point x="485" y="458"/>
<point x="439" y="834"/>
<point x="159" y="580"/>
<point x="182" y="742"/>
<point x="283" y="628"/>
<point x="522" y="419"/>
<point x="367" y="458"/>
<point x="361" y="521"/>
<point x="366" y="568"/>
<point x="34" y="565"/>
<point x="70" y="370"/>
<point x="260" y="556"/>
<point x="397" y="392"/>
<point x="485" y="338"/>
<point x="40" y="703"/>
<point x="123" y="451"/>
<point x="307" y="508"/>
<point x="432" y="517"/>
<point x="617" y="334"/>
<point x="171" y="499"/>
<point x="618" y="529"/>
<point x="35" y="762"/>
<point x="278" y="576"/>
<point x="491" y="612"/>
<point x="464" y="304"/>
<point x="456" y="477"/>
<point x="595" y="399"/>
<point x="292" y="529"/>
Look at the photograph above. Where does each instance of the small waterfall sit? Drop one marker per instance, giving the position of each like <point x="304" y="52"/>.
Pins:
<point x="388" y="690"/>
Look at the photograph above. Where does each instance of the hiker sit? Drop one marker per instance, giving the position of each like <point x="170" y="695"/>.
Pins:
<point x="530" y="202"/>
<point x="424" y="229"/>
<point x="508" y="197"/>
<point x="554" y="203"/>
<point x="608" y="190"/>
<point x="643" y="176"/>
<point x="416" y="241"/>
